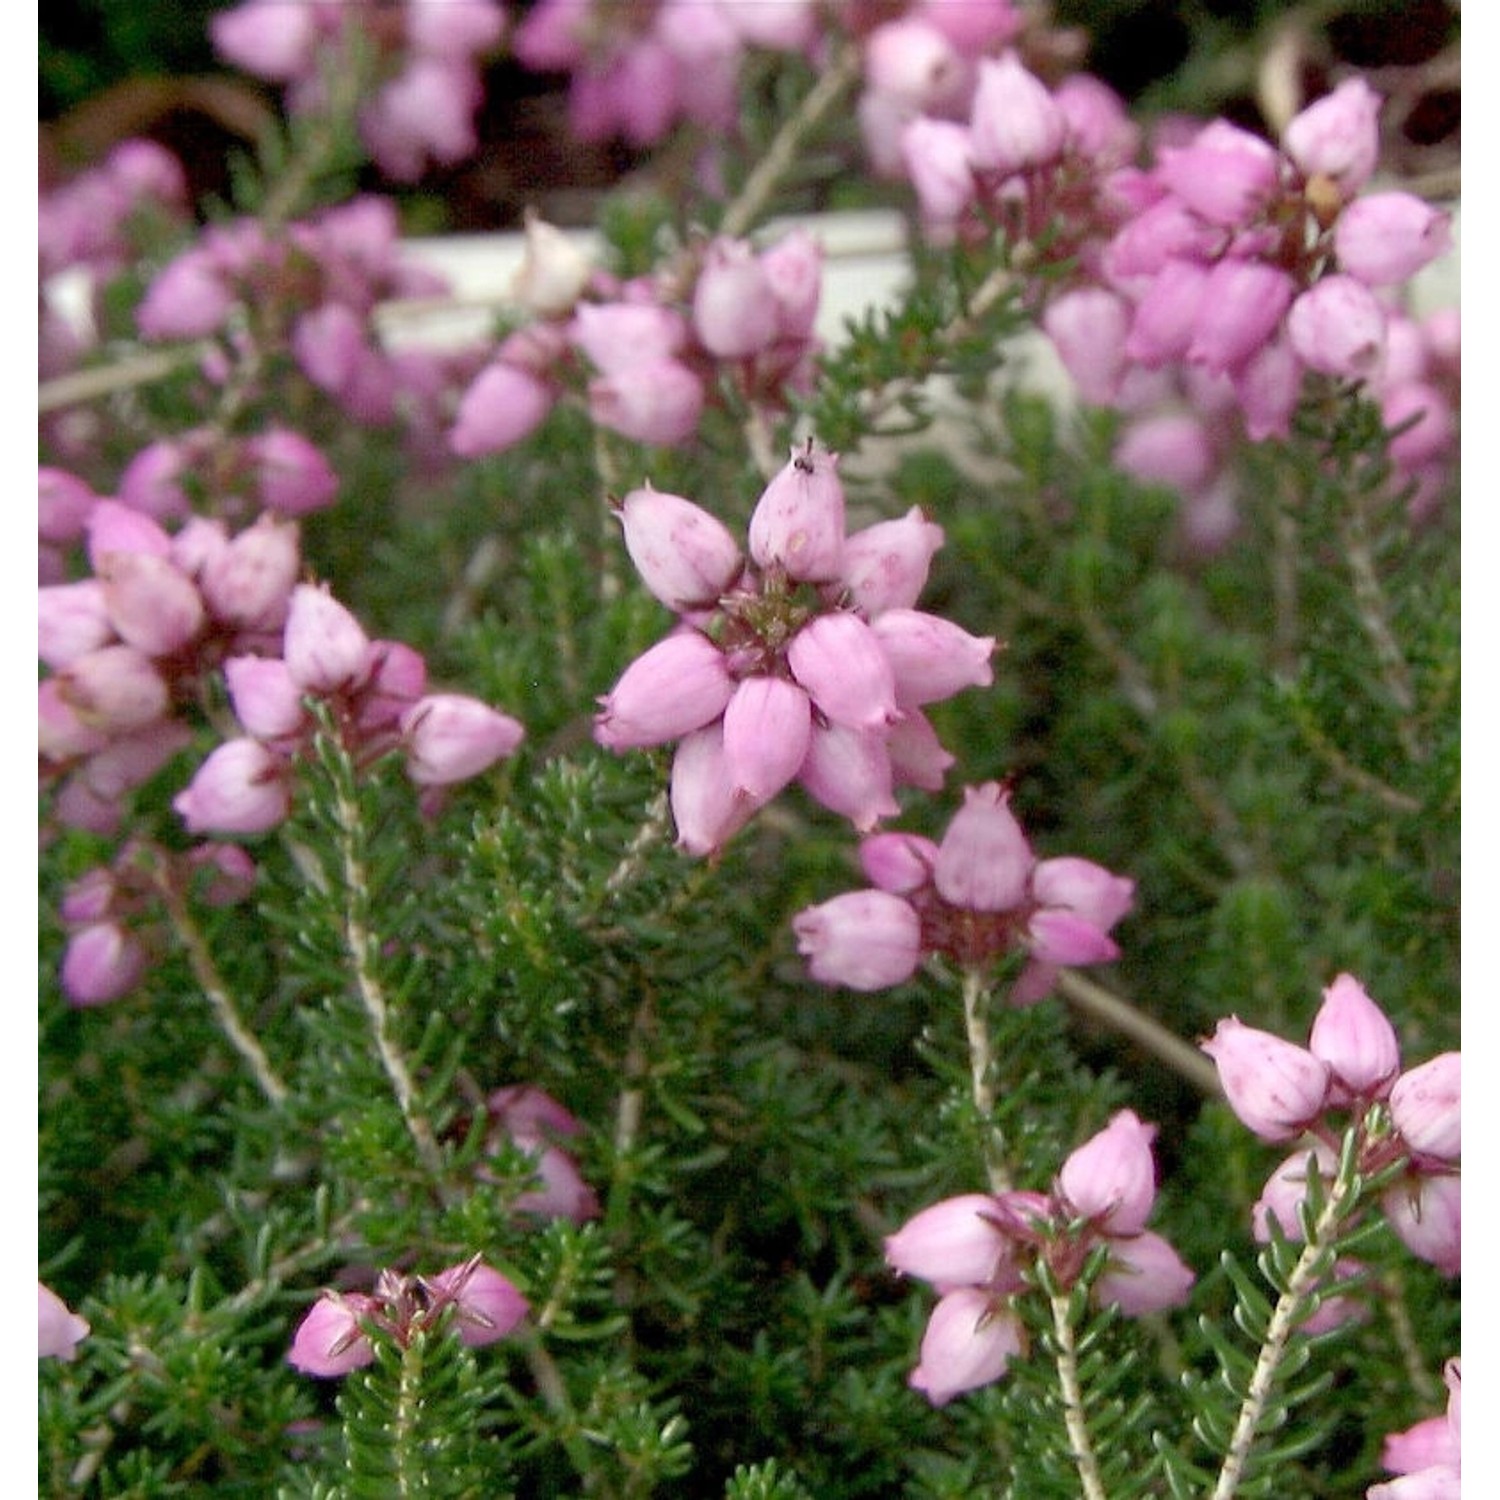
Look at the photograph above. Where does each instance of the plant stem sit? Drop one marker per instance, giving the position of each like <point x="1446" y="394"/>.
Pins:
<point x="404" y="1424"/>
<point x="211" y="982"/>
<point x="1081" y="1448"/>
<point x="1304" y="1279"/>
<point x="981" y="1062"/>
<point x="363" y="954"/>
<point x="780" y="154"/>
<point x="1118" y="1014"/>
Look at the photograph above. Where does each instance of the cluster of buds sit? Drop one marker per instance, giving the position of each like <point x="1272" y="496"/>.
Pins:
<point x="976" y="898"/>
<point x="426" y="84"/>
<point x="638" y="70"/>
<point x="111" y="911"/>
<point x="1428" y="1456"/>
<point x="643" y="356"/>
<point x="339" y="1332"/>
<point x="982" y="1251"/>
<point x="373" y="691"/>
<point x="309" y="292"/>
<point x="805" y="663"/>
<point x="524" y="1118"/>
<point x="59" y="1330"/>
<point x="1350" y="1072"/>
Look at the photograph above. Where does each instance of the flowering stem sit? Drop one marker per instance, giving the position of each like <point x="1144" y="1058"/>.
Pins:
<point x="404" y="1422"/>
<point x="211" y="982"/>
<point x="1081" y="1447"/>
<point x="1310" y="1268"/>
<point x="976" y="1025"/>
<point x="361" y="946"/>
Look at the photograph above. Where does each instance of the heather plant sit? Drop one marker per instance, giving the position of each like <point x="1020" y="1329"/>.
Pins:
<point x="669" y="901"/>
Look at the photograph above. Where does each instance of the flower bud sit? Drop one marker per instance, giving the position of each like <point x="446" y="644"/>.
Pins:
<point x="249" y="582"/>
<point x="913" y="61"/>
<point x="1338" y="137"/>
<point x="101" y="962"/>
<point x="63" y="505"/>
<point x="187" y="299"/>
<point x="450" y="737"/>
<point x="113" y="527"/>
<point x="677" y="686"/>
<point x="1286" y="1190"/>
<point x="486" y="1305"/>
<point x="969" y="1341"/>
<point x="1225" y="174"/>
<point x="1338" y="328"/>
<point x="767" y="731"/>
<point x="706" y="808"/>
<point x="1275" y="1088"/>
<point x="937" y="160"/>
<point x="685" y="556"/>
<point x="71" y="621"/>
<point x="849" y="772"/>
<point x="1111" y="1178"/>
<point x="886" y="565"/>
<point x="292" y="475"/>
<point x="59" y="1330"/>
<point x="264" y="697"/>
<point x="503" y="406"/>
<point x="732" y="302"/>
<point x="1425" y="1107"/>
<point x="326" y="648"/>
<point x="957" y="1242"/>
<point x="329" y="1340"/>
<point x="798" y="522"/>
<point x="839" y="660"/>
<point x="794" y="273"/>
<point x="931" y="658"/>
<point x="152" y="605"/>
<point x="240" y="788"/>
<point x="984" y="862"/>
<point x="115" y="689"/>
<point x="658" y="402"/>
<point x="865" y="940"/>
<point x="151" y="481"/>
<point x="1353" y="1036"/>
<point x="1144" y="1275"/>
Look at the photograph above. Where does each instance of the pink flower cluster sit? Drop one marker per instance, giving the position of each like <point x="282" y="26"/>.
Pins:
<point x="110" y="912"/>
<point x="531" y="1121"/>
<point x="133" y="649"/>
<point x="976" y="897"/>
<point x="644" y="356"/>
<point x="975" y="1249"/>
<point x="1351" y="1068"/>
<point x="1429" y="1456"/>
<point x="59" y="1330"/>
<point x="90" y="223"/>
<point x="427" y="87"/>
<point x="805" y="663"/>
<point x="640" y="69"/>
<point x="338" y="1333"/>
<point x="310" y="293"/>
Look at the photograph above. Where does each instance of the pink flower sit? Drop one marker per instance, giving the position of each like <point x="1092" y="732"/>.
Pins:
<point x="102" y="962"/>
<point x="1337" y="136"/>
<point x="798" y="522"/>
<point x="450" y="737"/>
<point x="1429" y="1455"/>
<point x="1353" y="1036"/>
<point x="1425" y="1211"/>
<point x="503" y="406"/>
<point x="330" y="1341"/>
<point x="1425" y="1107"/>
<point x="969" y="1342"/>
<point x="1275" y="1088"/>
<point x="1016" y="124"/>
<point x="686" y="557"/>
<point x="1111" y="1178"/>
<point x="867" y="940"/>
<point x="241" y="788"/>
<point x="487" y="1306"/>
<point x="59" y="1330"/>
<point x="984" y="861"/>
<point x="958" y="1242"/>
<point x="1144" y="1275"/>
<point x="325" y="647"/>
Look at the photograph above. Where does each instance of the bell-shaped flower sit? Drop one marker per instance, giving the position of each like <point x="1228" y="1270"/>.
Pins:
<point x="291" y="474"/>
<point x="248" y="581"/>
<point x="932" y="658"/>
<point x="330" y="1341"/>
<point x="1144" y="1274"/>
<point x="1088" y="327"/>
<point x="1337" y="137"/>
<point x="984" y="861"/>
<point x="865" y="940"/>
<point x="486" y="1304"/>
<point x="1242" y="305"/>
<point x="1338" y="328"/>
<point x="113" y="527"/>
<point x="325" y="648"/>
<point x="1425" y="1107"/>
<point x="1356" y="1039"/>
<point x="886" y="564"/>
<point x="115" y="689"/>
<point x="957" y="1242"/>
<point x="685" y="556"/>
<point x="938" y="161"/>
<point x="449" y="737"/>
<point x="898" y="862"/>
<point x="1015" y="122"/>
<point x="1386" y="238"/>
<point x="1111" y="1178"/>
<point x="849" y="771"/>
<point x="658" y="402"/>
<point x="842" y="664"/>
<point x="553" y="272"/>
<point x="152" y="605"/>
<point x="767" y="734"/>
<point x="264" y="696"/>
<point x="1225" y="174"/>
<point x="101" y="962"/>
<point x="798" y="522"/>
<point x="733" y="309"/>
<point x="1275" y="1087"/>
<point x="59" y="1330"/>
<point x="71" y="621"/>
<point x="241" y="788"/>
<point x="1166" y="317"/>
<point x="504" y="405"/>
<point x="680" y="684"/>
<point x="1425" y="1211"/>
<point x="1286" y="1190"/>
<point x="969" y="1342"/>
<point x="707" y="809"/>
